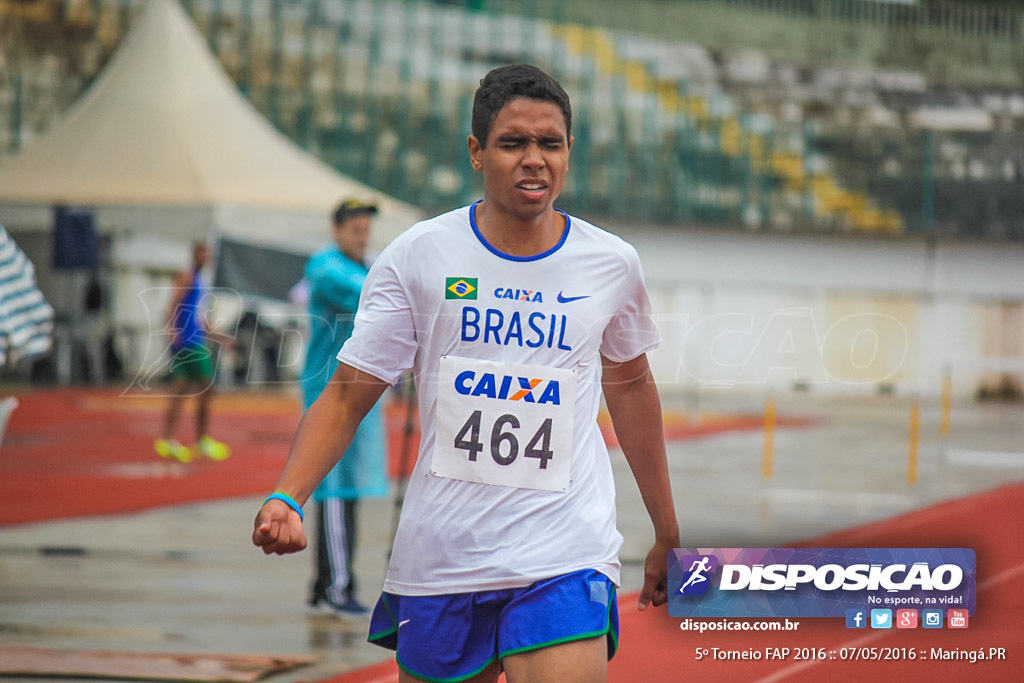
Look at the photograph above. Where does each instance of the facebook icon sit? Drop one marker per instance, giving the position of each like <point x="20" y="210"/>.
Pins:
<point x="856" y="618"/>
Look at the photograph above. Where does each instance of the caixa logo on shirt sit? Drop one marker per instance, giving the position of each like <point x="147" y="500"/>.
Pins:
<point x="515" y="294"/>
<point x="508" y="387"/>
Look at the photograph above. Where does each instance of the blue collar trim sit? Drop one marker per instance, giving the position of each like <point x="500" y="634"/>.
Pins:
<point x="510" y="257"/>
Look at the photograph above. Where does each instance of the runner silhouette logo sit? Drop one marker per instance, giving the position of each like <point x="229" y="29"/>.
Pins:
<point x="696" y="579"/>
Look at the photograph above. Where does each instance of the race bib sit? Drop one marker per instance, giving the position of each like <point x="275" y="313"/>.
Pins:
<point x="504" y="424"/>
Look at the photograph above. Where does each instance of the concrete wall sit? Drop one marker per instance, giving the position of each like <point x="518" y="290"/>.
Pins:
<point x="757" y="313"/>
<point x="754" y="313"/>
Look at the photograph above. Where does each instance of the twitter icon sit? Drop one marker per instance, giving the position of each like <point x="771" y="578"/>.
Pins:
<point x="881" y="618"/>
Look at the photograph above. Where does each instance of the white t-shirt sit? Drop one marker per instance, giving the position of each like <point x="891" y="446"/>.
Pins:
<point x="508" y="351"/>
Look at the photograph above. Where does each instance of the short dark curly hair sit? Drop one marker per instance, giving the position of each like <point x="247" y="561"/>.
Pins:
<point x="506" y="83"/>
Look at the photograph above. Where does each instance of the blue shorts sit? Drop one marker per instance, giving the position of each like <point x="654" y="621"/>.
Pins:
<point x="454" y="637"/>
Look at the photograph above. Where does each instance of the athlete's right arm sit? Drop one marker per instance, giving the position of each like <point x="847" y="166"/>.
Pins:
<point x="325" y="432"/>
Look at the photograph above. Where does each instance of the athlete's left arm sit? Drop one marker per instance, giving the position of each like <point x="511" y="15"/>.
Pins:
<point x="635" y="408"/>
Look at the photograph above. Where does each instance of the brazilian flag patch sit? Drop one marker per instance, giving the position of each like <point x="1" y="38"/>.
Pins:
<point x="460" y="288"/>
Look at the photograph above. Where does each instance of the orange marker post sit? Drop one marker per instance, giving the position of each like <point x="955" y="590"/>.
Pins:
<point x="768" y="452"/>
<point x="947" y="401"/>
<point x="915" y="440"/>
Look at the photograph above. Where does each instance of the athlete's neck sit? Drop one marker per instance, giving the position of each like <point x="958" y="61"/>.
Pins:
<point x="516" y="235"/>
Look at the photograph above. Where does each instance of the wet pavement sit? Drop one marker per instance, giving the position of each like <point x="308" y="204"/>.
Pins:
<point x="186" y="578"/>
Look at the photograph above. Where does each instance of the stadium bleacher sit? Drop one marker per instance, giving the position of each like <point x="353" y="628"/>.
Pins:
<point x="671" y="131"/>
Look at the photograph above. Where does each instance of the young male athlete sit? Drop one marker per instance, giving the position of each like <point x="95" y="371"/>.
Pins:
<point x="191" y="365"/>
<point x="514" y="317"/>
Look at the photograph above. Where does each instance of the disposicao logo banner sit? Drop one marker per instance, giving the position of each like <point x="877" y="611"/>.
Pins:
<point x="817" y="582"/>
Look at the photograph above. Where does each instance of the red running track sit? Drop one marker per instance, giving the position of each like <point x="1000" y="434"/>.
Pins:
<point x="73" y="453"/>
<point x="655" y="650"/>
<point x="77" y="452"/>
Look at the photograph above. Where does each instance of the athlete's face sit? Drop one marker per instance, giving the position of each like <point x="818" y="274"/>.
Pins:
<point x="200" y="256"/>
<point x="525" y="159"/>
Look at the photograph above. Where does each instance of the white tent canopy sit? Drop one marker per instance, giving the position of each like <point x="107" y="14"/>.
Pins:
<point x="166" y="151"/>
<point x="164" y="146"/>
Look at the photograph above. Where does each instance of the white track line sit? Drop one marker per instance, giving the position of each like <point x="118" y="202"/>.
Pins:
<point x="985" y="458"/>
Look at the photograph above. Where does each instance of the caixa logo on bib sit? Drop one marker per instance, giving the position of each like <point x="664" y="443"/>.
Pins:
<point x="808" y="582"/>
<point x="508" y="387"/>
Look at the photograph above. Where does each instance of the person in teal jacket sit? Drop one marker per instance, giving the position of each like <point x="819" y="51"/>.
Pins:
<point x="334" y="278"/>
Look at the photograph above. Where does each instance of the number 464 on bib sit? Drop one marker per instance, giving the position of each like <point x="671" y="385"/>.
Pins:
<point x="504" y="438"/>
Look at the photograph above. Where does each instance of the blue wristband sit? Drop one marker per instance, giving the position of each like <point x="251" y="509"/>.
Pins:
<point x="287" y="500"/>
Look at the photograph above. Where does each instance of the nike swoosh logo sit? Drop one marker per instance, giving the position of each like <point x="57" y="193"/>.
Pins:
<point x="403" y="622"/>
<point x="562" y="299"/>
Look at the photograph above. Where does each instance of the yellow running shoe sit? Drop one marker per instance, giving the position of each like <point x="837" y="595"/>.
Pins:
<point x="172" y="450"/>
<point x="213" y="449"/>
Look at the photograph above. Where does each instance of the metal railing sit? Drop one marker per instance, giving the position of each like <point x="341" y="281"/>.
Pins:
<point x="966" y="19"/>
